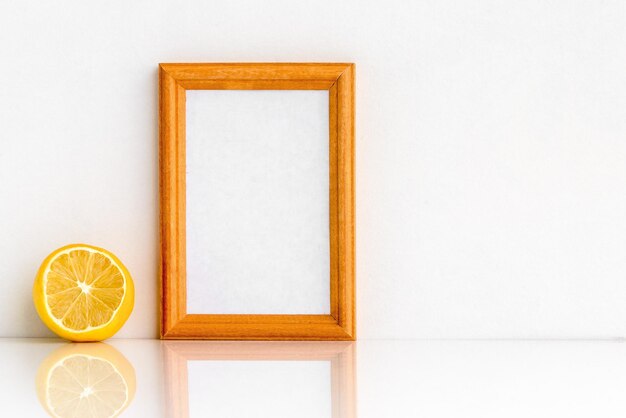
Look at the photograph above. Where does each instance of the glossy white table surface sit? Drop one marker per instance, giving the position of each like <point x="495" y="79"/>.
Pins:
<point x="340" y="380"/>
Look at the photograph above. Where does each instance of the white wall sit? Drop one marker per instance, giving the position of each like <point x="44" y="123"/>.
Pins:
<point x="491" y="150"/>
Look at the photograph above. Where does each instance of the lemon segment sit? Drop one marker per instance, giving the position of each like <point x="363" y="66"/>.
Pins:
<point x="83" y="293"/>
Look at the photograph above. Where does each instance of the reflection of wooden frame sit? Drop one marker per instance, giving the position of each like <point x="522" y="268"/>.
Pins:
<point x="340" y="354"/>
<point x="174" y="81"/>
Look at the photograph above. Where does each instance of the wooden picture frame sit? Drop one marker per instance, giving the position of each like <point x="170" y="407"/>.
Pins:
<point x="174" y="81"/>
<point x="177" y="354"/>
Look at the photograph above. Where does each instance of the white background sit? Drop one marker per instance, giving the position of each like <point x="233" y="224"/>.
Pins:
<point x="439" y="379"/>
<point x="490" y="150"/>
<point x="241" y="389"/>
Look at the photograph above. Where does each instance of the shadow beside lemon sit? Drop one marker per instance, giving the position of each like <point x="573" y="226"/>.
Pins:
<point x="88" y="380"/>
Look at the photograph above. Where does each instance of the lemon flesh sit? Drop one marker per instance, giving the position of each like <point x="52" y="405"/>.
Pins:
<point x="87" y="381"/>
<point x="83" y="293"/>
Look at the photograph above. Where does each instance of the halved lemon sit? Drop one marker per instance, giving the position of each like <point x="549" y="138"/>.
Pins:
<point x="90" y="380"/>
<point x="83" y="293"/>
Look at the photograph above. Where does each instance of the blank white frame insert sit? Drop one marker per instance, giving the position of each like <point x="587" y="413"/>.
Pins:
<point x="257" y="202"/>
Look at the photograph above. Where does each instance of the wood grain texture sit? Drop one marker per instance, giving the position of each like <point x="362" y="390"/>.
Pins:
<point x="338" y="79"/>
<point x="346" y="199"/>
<point x="172" y="207"/>
<point x="256" y="84"/>
<point x="333" y="200"/>
<point x="255" y="71"/>
<point x="342" y="357"/>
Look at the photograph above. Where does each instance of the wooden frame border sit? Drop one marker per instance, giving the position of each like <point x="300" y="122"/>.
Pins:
<point x="176" y="355"/>
<point x="174" y="81"/>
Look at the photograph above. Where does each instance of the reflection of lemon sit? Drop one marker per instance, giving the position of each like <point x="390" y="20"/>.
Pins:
<point x="83" y="293"/>
<point x="85" y="381"/>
